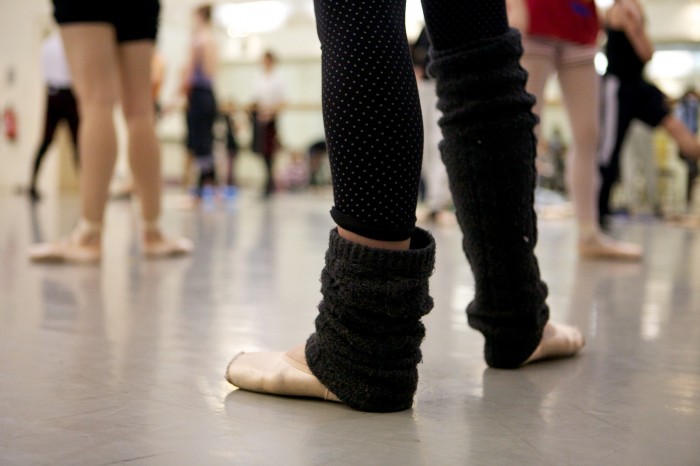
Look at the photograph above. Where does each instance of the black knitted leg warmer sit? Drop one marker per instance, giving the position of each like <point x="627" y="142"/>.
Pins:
<point x="489" y="151"/>
<point x="368" y="332"/>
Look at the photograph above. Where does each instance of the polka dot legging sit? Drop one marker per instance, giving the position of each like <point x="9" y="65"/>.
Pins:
<point x="371" y="109"/>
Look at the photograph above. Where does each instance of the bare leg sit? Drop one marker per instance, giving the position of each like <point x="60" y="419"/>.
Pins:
<point x="373" y="243"/>
<point x="687" y="143"/>
<point x="539" y="68"/>
<point x="91" y="53"/>
<point x="92" y="56"/>
<point x="559" y="340"/>
<point x="580" y="91"/>
<point x="144" y="150"/>
<point x="51" y="122"/>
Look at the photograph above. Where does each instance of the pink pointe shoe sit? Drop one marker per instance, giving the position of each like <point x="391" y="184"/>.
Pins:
<point x="82" y="246"/>
<point x="603" y="247"/>
<point x="280" y="373"/>
<point x="558" y="341"/>
<point x="156" y="245"/>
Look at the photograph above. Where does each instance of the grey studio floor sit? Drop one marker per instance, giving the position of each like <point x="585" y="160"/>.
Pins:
<point x="124" y="363"/>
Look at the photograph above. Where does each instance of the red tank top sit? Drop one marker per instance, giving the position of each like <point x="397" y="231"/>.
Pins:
<point x="569" y="20"/>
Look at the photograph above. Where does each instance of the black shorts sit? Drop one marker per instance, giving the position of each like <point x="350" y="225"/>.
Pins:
<point x="621" y="103"/>
<point x="643" y="101"/>
<point x="132" y="19"/>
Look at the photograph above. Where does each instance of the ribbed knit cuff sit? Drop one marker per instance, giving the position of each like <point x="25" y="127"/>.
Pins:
<point x="368" y="331"/>
<point x="473" y="55"/>
<point x="417" y="262"/>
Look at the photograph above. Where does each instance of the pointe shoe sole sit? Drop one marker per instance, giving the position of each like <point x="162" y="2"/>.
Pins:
<point x="275" y="374"/>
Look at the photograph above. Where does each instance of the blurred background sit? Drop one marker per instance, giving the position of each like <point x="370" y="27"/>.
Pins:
<point x="245" y="29"/>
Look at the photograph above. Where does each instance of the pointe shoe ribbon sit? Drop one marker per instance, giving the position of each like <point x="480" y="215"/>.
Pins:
<point x="277" y="374"/>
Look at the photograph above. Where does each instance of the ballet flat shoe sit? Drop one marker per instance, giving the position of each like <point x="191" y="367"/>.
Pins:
<point x="610" y="249"/>
<point x="167" y="248"/>
<point x="276" y="374"/>
<point x="65" y="251"/>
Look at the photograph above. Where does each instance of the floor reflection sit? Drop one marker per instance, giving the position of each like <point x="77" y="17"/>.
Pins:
<point x="125" y="362"/>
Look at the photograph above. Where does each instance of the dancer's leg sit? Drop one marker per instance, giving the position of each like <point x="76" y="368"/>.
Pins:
<point x="91" y="52"/>
<point x="617" y="115"/>
<point x="372" y="117"/>
<point x="269" y="175"/>
<point x="51" y="121"/>
<point x="144" y="149"/>
<point x="137" y="104"/>
<point x="73" y="118"/>
<point x="580" y="90"/>
<point x="687" y="142"/>
<point x="375" y="284"/>
<point x="489" y="150"/>
<point x="201" y="116"/>
<point x="92" y="56"/>
<point x="538" y="61"/>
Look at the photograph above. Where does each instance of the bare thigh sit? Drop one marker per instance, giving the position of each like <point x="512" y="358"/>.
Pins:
<point x="580" y="91"/>
<point x="135" y="73"/>
<point x="540" y="67"/>
<point x="91" y="51"/>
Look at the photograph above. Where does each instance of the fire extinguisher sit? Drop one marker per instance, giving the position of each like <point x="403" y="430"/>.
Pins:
<point x="9" y="122"/>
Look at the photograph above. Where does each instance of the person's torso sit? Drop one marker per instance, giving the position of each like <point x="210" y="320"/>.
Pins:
<point x="623" y="61"/>
<point x="569" y="20"/>
<point x="54" y="63"/>
<point x="199" y="77"/>
<point x="269" y="90"/>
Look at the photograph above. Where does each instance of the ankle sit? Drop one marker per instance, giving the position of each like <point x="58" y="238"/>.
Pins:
<point x="151" y="231"/>
<point x="88" y="233"/>
<point x="588" y="232"/>
<point x="373" y="243"/>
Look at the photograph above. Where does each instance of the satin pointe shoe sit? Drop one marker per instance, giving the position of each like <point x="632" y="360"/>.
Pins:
<point x="82" y="246"/>
<point x="277" y="373"/>
<point x="604" y="247"/>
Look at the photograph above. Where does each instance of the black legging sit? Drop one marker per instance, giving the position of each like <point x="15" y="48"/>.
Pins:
<point x="622" y="102"/>
<point x="60" y="106"/>
<point x="201" y="114"/>
<point x="371" y="109"/>
<point x="374" y="129"/>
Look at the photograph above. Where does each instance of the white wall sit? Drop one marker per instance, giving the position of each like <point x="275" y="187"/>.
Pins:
<point x="673" y="20"/>
<point x="299" y="54"/>
<point x="22" y="24"/>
